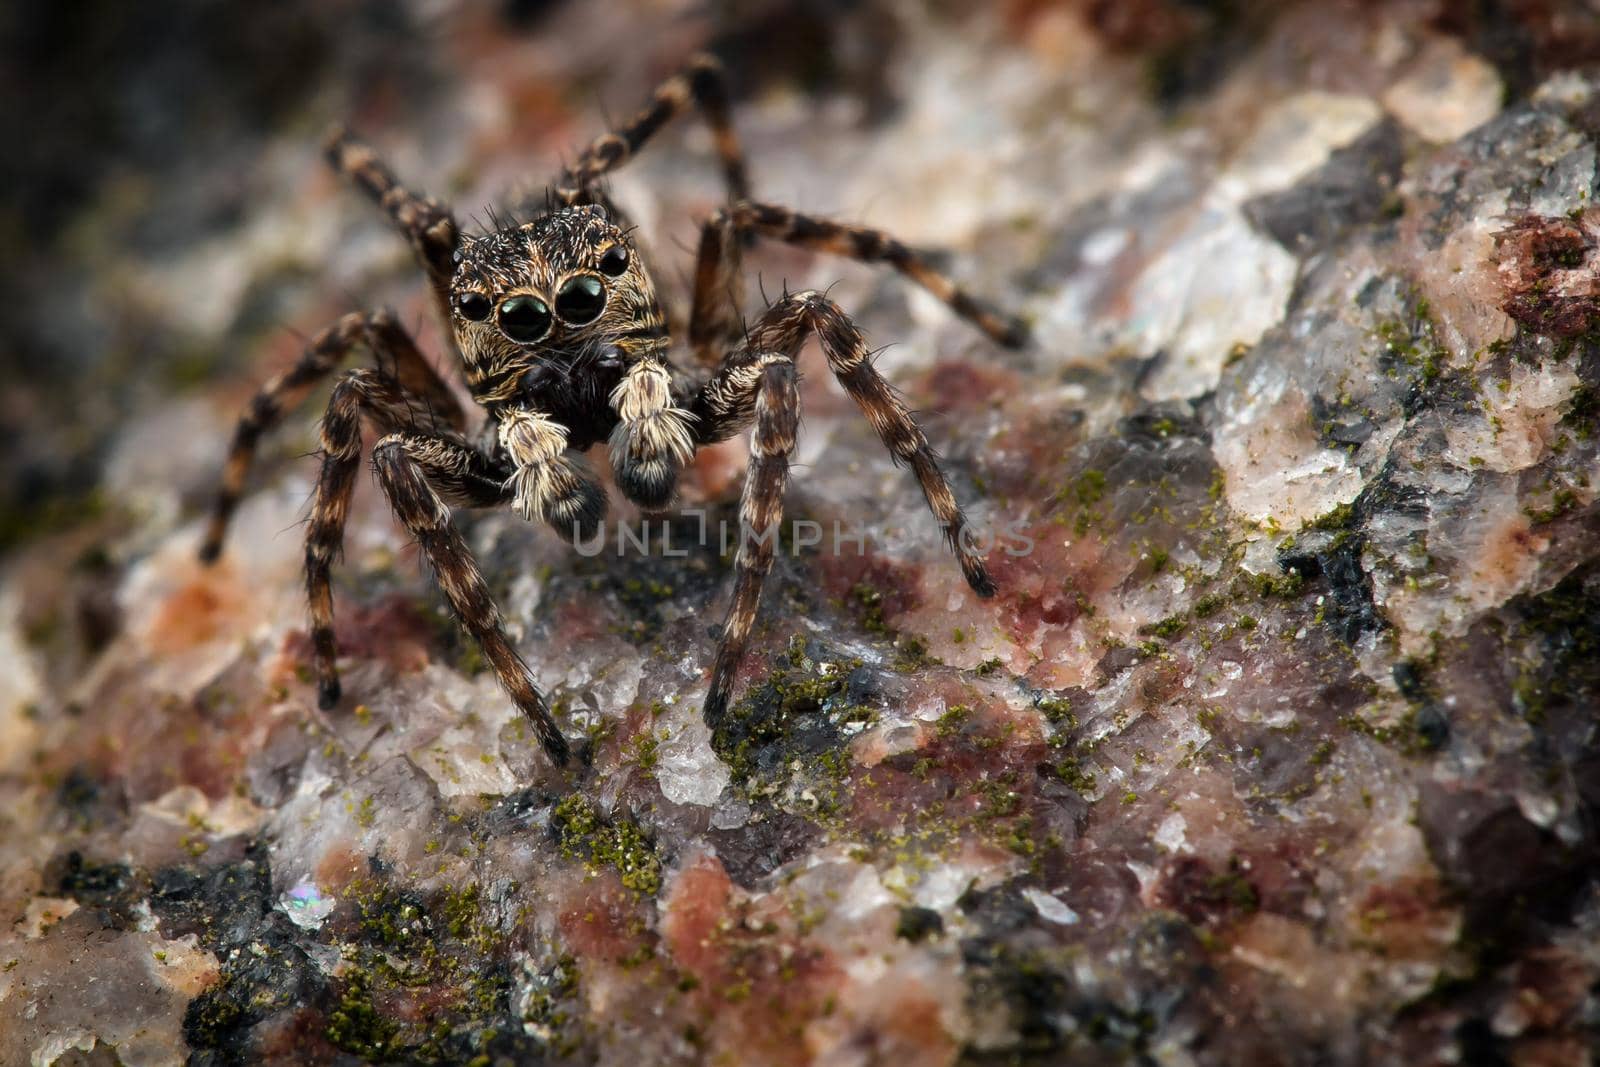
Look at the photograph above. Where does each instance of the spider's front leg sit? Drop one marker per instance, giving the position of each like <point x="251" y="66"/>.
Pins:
<point x="382" y="401"/>
<point x="756" y="380"/>
<point x="769" y="383"/>
<point x="407" y="467"/>
<point x="420" y="472"/>
<point x="432" y="404"/>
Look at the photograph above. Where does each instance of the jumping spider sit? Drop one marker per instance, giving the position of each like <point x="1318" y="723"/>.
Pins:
<point x="564" y="344"/>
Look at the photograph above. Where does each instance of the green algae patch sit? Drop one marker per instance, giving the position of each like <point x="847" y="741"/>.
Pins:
<point x="803" y="692"/>
<point x="356" y="1026"/>
<point x="868" y="602"/>
<point x="404" y="947"/>
<point x="1169" y="627"/>
<point x="618" y="844"/>
<point x="1083" y="495"/>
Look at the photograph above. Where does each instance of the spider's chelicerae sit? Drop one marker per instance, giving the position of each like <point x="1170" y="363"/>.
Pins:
<point x="563" y="343"/>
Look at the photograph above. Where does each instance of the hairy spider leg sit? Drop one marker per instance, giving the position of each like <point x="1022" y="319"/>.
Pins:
<point x="431" y="404"/>
<point x="775" y="403"/>
<point x="756" y="381"/>
<point x="427" y="224"/>
<point x="407" y="465"/>
<point x="467" y="477"/>
<point x="701" y="83"/>
<point x="714" y="319"/>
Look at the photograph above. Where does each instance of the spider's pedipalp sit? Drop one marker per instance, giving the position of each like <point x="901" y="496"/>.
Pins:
<point x="547" y="482"/>
<point x="653" y="439"/>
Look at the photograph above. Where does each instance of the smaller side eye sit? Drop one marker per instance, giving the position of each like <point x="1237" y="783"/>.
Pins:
<point x="524" y="319"/>
<point x="581" y="299"/>
<point x="474" y="307"/>
<point x="615" y="261"/>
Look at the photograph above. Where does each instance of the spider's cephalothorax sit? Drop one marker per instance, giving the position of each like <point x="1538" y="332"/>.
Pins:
<point x="563" y="340"/>
<point x="563" y="343"/>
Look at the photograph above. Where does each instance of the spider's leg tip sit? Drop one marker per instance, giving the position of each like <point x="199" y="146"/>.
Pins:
<point x="982" y="584"/>
<point x="715" y="709"/>
<point x="210" y="552"/>
<point x="328" y="693"/>
<point x="1017" y="334"/>
<point x="556" y="747"/>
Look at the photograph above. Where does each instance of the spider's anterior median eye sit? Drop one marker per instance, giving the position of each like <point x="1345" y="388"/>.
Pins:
<point x="524" y="319"/>
<point x="615" y="261"/>
<point x="474" y="307"/>
<point x="581" y="299"/>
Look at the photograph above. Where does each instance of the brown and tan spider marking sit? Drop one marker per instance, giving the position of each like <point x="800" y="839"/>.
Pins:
<point x="564" y="344"/>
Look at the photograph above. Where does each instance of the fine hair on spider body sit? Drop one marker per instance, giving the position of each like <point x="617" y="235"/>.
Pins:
<point x="562" y="340"/>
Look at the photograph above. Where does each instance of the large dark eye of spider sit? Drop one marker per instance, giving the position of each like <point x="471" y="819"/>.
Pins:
<point x="524" y="319"/>
<point x="474" y="307"/>
<point x="580" y="299"/>
<point x="615" y="261"/>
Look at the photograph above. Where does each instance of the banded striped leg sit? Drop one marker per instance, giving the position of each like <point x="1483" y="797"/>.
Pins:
<point x="701" y="83"/>
<point x="734" y="395"/>
<point x="714" y="311"/>
<point x="465" y="476"/>
<point x="775" y="400"/>
<point x="405" y="464"/>
<point x="427" y="224"/>
<point x="716" y="294"/>
<point x="432" y="404"/>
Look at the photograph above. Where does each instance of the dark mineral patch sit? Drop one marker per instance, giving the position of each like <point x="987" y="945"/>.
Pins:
<point x="1353" y="189"/>
<point x="763" y="845"/>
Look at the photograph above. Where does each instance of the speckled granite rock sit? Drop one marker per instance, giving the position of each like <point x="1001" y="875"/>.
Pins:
<point x="1279" y="744"/>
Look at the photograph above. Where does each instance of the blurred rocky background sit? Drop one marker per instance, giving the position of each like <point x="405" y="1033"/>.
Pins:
<point x="1279" y="745"/>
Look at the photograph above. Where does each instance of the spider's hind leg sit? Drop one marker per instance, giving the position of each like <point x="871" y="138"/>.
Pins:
<point x="427" y="224"/>
<point x="716" y="276"/>
<point x="700" y="83"/>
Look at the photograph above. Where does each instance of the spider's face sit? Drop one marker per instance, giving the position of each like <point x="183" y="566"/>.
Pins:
<point x="568" y="282"/>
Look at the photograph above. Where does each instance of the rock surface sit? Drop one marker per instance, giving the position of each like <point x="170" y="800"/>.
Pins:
<point x="1279" y="744"/>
